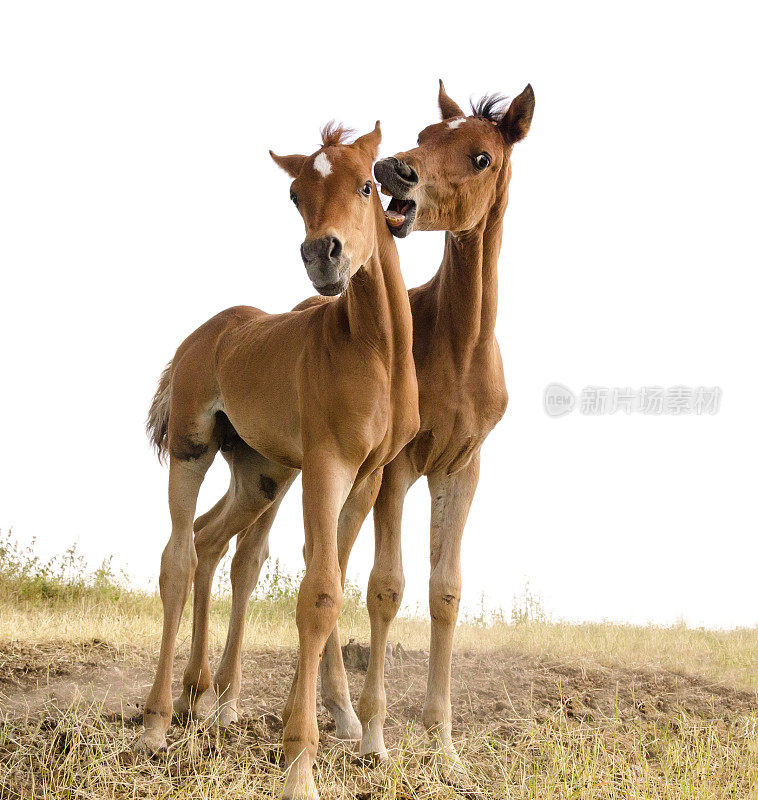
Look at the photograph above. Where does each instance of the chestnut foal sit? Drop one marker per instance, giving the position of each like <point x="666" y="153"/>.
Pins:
<point x="329" y="388"/>
<point x="455" y="180"/>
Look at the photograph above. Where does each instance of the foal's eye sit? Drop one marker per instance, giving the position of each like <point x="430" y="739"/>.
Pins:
<point x="482" y="161"/>
<point x="294" y="199"/>
<point x="366" y="189"/>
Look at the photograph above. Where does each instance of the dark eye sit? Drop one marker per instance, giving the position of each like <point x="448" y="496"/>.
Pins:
<point x="482" y="161"/>
<point x="294" y="199"/>
<point x="366" y="189"/>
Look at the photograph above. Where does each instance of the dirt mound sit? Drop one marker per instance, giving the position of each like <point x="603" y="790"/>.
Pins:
<point x="526" y="727"/>
<point x="488" y="688"/>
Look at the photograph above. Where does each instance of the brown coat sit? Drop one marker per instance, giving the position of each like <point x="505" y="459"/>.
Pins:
<point x="329" y="388"/>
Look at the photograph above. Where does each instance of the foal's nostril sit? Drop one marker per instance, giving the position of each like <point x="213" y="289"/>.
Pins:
<point x="327" y="249"/>
<point x="406" y="172"/>
<point x="334" y="250"/>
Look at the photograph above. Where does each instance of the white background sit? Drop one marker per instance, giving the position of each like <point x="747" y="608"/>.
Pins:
<point x="137" y="198"/>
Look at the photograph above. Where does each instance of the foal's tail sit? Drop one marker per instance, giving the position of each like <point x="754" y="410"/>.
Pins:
<point x="157" y="418"/>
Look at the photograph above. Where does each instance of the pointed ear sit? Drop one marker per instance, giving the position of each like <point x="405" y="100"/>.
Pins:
<point x="369" y="142"/>
<point x="448" y="108"/>
<point x="516" y="121"/>
<point x="290" y="164"/>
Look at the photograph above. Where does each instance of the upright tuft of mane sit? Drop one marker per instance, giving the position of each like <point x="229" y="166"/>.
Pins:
<point x="335" y="133"/>
<point x="491" y="107"/>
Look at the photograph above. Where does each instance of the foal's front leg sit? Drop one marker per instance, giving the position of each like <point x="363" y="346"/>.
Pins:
<point x="451" y="501"/>
<point x="326" y="485"/>
<point x="383" y="598"/>
<point x="335" y="692"/>
<point x="252" y="551"/>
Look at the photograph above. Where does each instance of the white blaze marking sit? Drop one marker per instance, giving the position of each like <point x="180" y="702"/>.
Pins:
<point x="454" y="123"/>
<point x="321" y="164"/>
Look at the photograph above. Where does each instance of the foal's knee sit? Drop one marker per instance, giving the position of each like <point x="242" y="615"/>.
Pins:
<point x="319" y="601"/>
<point x="444" y="599"/>
<point x="385" y="593"/>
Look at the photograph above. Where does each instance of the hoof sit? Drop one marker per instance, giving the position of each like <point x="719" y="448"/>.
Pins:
<point x="226" y="716"/>
<point x="452" y="771"/>
<point x="349" y="733"/>
<point x="372" y="742"/>
<point x="221" y="718"/>
<point x="373" y="759"/>
<point x="184" y="711"/>
<point x="347" y="725"/>
<point x="299" y="784"/>
<point x="306" y="794"/>
<point x="149" y="743"/>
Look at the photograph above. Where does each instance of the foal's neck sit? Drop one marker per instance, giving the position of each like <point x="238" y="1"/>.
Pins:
<point x="467" y="281"/>
<point x="376" y="307"/>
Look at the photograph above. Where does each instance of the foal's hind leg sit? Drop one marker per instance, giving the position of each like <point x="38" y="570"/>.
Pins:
<point x="254" y="485"/>
<point x="177" y="568"/>
<point x="211" y="543"/>
<point x="252" y="551"/>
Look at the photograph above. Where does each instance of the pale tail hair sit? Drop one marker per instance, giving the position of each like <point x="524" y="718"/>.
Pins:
<point x="157" y="418"/>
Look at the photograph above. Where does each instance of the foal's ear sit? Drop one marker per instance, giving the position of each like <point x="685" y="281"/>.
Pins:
<point x="290" y="164"/>
<point x="448" y="108"/>
<point x="369" y="142"/>
<point x="516" y="121"/>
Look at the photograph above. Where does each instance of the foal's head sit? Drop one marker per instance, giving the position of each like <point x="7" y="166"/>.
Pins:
<point x="460" y="168"/>
<point x="335" y="195"/>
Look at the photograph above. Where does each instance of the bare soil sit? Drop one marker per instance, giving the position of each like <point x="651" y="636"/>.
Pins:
<point x="527" y="728"/>
<point x="493" y="690"/>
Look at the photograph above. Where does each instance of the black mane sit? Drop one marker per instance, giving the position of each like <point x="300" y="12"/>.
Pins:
<point x="491" y="107"/>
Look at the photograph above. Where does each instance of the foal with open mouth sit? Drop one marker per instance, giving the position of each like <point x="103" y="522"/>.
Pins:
<point x="329" y="389"/>
<point x="455" y="180"/>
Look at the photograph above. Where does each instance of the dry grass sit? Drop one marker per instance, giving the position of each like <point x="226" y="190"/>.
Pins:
<point x="541" y="709"/>
<point x="80" y="753"/>
<point x="728" y="657"/>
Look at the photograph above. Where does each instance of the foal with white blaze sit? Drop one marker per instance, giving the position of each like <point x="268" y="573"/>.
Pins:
<point x="329" y="388"/>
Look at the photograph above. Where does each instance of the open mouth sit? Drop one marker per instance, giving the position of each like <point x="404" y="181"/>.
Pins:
<point x="400" y="214"/>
